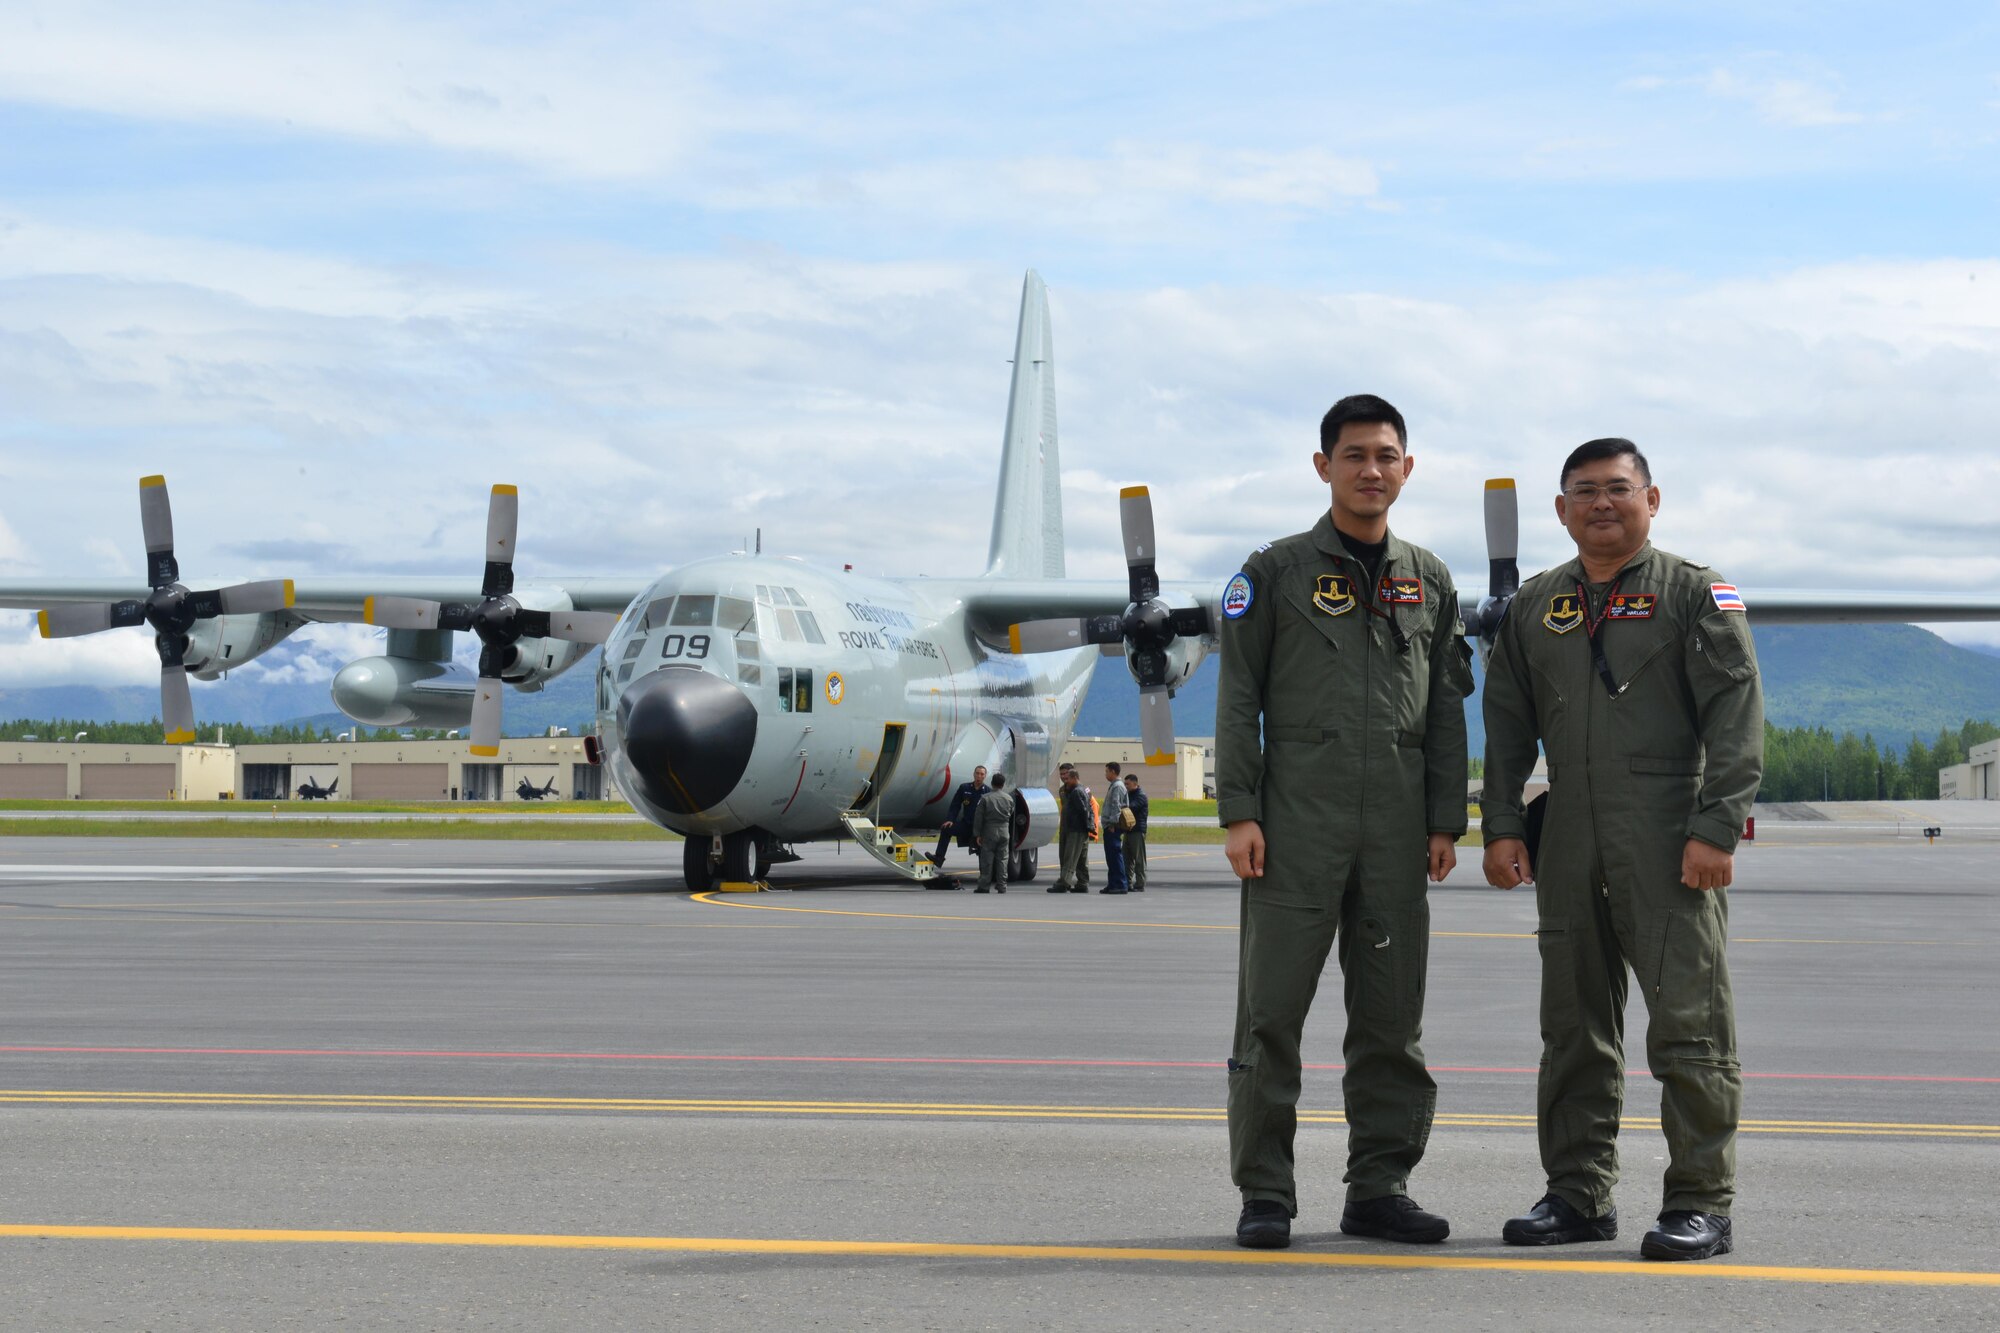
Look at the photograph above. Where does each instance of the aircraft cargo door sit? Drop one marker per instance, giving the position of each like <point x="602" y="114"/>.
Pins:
<point x="130" y="782"/>
<point x="34" y="782"/>
<point x="402" y="782"/>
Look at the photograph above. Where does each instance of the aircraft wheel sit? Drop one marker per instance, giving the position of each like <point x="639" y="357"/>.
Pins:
<point x="738" y="853"/>
<point x="697" y="863"/>
<point x="763" y="860"/>
<point x="1025" y="865"/>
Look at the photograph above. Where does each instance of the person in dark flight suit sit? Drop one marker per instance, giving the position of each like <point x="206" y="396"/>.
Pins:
<point x="958" y="815"/>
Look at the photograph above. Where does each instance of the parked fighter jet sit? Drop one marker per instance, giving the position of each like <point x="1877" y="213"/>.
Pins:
<point x="752" y="702"/>
<point x="528" y="791"/>
<point x="312" y="791"/>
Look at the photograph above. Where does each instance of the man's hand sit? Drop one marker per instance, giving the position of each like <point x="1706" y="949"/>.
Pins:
<point x="1507" y="864"/>
<point x="942" y="827"/>
<point x="1246" y="849"/>
<point x="1443" y="856"/>
<point x="1706" y="867"/>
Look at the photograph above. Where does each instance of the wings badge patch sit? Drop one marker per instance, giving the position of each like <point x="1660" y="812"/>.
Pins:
<point x="1237" y="594"/>
<point x="1335" y="594"/>
<point x="1631" y="606"/>
<point x="1402" y="592"/>
<point x="1565" y="613"/>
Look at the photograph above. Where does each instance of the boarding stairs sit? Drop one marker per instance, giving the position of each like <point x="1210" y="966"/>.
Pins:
<point x="895" y="854"/>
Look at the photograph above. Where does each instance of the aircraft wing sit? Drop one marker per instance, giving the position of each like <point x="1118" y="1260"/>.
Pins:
<point x="332" y="599"/>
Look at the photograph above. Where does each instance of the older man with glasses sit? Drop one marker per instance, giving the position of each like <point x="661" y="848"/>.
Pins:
<point x="1635" y="672"/>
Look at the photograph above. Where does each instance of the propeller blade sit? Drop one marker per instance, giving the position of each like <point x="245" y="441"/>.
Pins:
<point x="1503" y="537"/>
<point x="578" y="626"/>
<point x="503" y="519"/>
<point x="456" y="615"/>
<point x="1156" y="724"/>
<point x="486" y="698"/>
<point x="1135" y="522"/>
<point x="68" y="622"/>
<point x="156" y="518"/>
<point x="1190" y="622"/>
<point x="176" y="705"/>
<point x="248" y="598"/>
<point x="401" y="612"/>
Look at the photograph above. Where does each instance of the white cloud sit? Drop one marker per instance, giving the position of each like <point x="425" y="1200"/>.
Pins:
<point x="1795" y="102"/>
<point x="593" y="97"/>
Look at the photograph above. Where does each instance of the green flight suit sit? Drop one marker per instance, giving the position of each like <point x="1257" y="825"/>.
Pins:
<point x="1677" y="753"/>
<point x="1361" y="756"/>
<point x="993" y="831"/>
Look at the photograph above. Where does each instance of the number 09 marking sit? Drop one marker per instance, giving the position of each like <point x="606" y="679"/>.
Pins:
<point x="684" y="645"/>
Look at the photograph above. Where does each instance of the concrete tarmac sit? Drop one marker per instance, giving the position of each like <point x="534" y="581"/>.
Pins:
<point x="273" y="1085"/>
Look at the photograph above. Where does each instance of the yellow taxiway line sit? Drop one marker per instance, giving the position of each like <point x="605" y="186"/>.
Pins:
<point x="888" y="1249"/>
<point x="948" y="1110"/>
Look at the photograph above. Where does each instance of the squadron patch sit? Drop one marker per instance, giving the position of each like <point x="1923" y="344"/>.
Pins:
<point x="1335" y="594"/>
<point x="1565" y="613"/>
<point x="1403" y="592"/>
<point x="1726" y="597"/>
<point x="1631" y="606"/>
<point x="1237" y="594"/>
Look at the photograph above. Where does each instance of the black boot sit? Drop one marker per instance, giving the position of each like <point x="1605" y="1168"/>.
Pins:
<point x="1683" y="1233"/>
<point x="1394" y="1217"/>
<point x="1264" y="1225"/>
<point x="1553" y="1221"/>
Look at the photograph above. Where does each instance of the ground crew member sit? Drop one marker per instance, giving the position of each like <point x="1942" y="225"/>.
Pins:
<point x="1113" y="816"/>
<point x="1343" y="644"/>
<point x="1635" y="671"/>
<point x="958" y="815"/>
<point x="993" y="835"/>
<point x="1135" y="837"/>
<point x="1075" y="825"/>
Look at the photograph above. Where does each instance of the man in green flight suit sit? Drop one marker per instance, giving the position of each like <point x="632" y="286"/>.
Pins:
<point x="1635" y="671"/>
<point x="1340" y="775"/>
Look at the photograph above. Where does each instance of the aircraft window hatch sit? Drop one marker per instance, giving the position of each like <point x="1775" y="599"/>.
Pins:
<point x="749" y="673"/>
<point x="695" y="609"/>
<point x="810" y="627"/>
<point x="795" y="690"/>
<point x="657" y="612"/>
<point x="747" y="650"/>
<point x="625" y="672"/>
<point x="634" y="648"/>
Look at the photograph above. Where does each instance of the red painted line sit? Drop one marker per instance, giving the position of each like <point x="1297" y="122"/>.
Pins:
<point x="795" y="787"/>
<point x="942" y="787"/>
<point x="870" y="1060"/>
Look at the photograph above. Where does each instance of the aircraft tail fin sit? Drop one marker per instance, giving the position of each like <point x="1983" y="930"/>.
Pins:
<point x="1027" y="511"/>
<point x="334" y="788"/>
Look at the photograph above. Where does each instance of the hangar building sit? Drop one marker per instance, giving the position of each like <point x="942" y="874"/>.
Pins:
<point x="90" y="771"/>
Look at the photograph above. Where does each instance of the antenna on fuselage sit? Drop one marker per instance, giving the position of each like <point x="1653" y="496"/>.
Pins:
<point x="760" y="541"/>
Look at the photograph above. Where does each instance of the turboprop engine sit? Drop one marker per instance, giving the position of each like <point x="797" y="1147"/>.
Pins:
<point x="217" y="647"/>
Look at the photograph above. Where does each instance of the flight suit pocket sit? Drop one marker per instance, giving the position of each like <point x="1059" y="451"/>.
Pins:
<point x="1387" y="956"/>
<point x="1722" y="642"/>
<point x="1685" y="973"/>
<point x="1557" y="944"/>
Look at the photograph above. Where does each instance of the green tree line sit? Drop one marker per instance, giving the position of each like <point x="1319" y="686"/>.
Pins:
<point x="233" y="733"/>
<point x="1812" y="764"/>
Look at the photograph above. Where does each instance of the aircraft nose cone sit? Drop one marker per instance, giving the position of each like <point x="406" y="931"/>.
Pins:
<point x="688" y="735"/>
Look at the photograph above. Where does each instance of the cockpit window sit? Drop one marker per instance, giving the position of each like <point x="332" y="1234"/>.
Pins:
<point x="657" y="612"/>
<point x="695" y="609"/>
<point x="810" y="627"/>
<point x="733" y="615"/>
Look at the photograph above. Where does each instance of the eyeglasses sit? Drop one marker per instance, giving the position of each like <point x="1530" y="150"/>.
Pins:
<point x="1586" y="493"/>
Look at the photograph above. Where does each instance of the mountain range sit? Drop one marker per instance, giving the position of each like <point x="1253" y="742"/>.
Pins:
<point x="1888" y="681"/>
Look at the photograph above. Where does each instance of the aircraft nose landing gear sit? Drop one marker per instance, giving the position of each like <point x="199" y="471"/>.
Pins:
<point x="733" y="863"/>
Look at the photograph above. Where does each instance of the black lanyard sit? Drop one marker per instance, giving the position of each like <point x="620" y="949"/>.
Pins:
<point x="1592" y="629"/>
<point x="1368" y="603"/>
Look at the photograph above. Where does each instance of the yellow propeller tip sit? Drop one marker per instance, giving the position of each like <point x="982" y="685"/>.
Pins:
<point x="1159" y="759"/>
<point x="42" y="619"/>
<point x="291" y="594"/>
<point x="148" y="483"/>
<point x="487" y="750"/>
<point x="179" y="737"/>
<point x="367" y="610"/>
<point x="1499" y="483"/>
<point x="502" y="488"/>
<point x="1013" y="636"/>
<point x="1131" y="491"/>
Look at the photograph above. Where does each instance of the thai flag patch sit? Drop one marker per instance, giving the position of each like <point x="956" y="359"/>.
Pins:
<point x="1726" y="597"/>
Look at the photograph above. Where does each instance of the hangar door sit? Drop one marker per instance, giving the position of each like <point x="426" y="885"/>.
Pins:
<point x="34" y="782"/>
<point x="402" y="782"/>
<point x="130" y="782"/>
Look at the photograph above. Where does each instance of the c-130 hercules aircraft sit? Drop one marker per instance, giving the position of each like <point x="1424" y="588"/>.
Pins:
<point x="752" y="702"/>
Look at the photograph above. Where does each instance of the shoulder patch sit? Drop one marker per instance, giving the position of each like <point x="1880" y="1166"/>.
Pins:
<point x="1237" y="594"/>
<point x="1565" y="613"/>
<point x="1726" y="597"/>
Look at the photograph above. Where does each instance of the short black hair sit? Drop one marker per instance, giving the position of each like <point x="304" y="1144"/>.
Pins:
<point x="1362" y="409"/>
<point x="1115" y="769"/>
<point x="997" y="781"/>
<point x="1596" y="451"/>
<point x="1131" y="777"/>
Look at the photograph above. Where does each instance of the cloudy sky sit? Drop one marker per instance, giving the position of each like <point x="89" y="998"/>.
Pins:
<point x="685" y="271"/>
